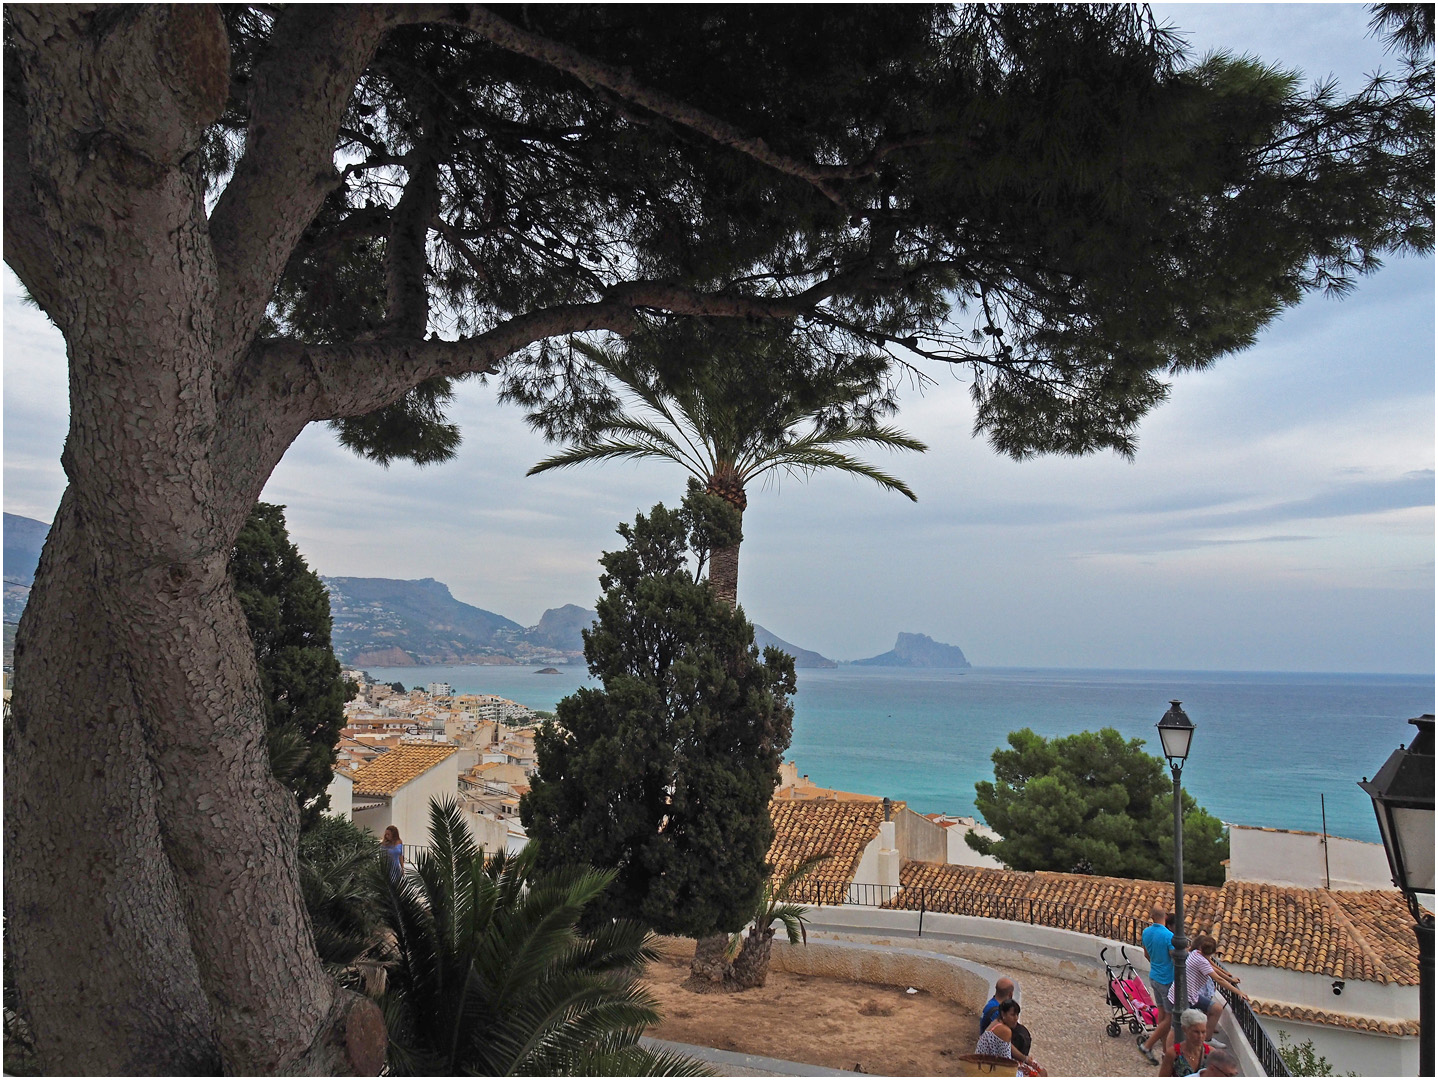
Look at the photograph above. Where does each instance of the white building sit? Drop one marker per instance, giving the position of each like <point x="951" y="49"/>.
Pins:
<point x="396" y="788"/>
<point x="1305" y="860"/>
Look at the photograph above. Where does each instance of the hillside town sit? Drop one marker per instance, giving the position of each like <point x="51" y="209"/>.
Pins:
<point x="1309" y="922"/>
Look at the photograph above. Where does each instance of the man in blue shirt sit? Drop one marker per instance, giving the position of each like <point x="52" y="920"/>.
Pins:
<point x="1003" y="991"/>
<point x="1158" y="947"/>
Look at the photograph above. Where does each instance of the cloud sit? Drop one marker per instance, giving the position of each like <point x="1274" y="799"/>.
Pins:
<point x="1350" y="500"/>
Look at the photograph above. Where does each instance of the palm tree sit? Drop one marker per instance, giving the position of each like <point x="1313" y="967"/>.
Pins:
<point x="751" y="951"/>
<point x="492" y="977"/>
<point x="732" y="406"/>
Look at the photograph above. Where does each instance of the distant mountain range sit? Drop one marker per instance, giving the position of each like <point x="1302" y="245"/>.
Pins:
<point x="919" y="651"/>
<point x="387" y="622"/>
<point x="382" y="622"/>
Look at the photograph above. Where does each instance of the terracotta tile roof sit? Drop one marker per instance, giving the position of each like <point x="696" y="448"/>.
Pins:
<point x="1344" y="935"/>
<point x="1279" y="1010"/>
<point x="389" y="772"/>
<point x="1348" y="935"/>
<point x="804" y="790"/>
<point x="1113" y="907"/>
<point x="1381" y="919"/>
<point x="803" y="828"/>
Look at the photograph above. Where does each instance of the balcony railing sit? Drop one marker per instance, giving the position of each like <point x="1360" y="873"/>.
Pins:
<point x="1257" y="1036"/>
<point x="924" y="899"/>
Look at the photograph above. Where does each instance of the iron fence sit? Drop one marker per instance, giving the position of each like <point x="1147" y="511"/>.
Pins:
<point x="924" y="899"/>
<point x="1257" y="1036"/>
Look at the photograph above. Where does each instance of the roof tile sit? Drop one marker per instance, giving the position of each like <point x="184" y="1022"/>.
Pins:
<point x="389" y="772"/>
<point x="805" y="828"/>
<point x="1278" y="1010"/>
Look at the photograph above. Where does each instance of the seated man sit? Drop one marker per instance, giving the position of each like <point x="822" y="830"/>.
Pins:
<point x="1003" y="991"/>
<point x="1220" y="1063"/>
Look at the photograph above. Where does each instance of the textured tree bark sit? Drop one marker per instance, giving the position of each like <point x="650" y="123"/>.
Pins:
<point x="724" y="574"/>
<point x="152" y="899"/>
<point x="751" y="966"/>
<point x="724" y="561"/>
<point x="711" y="959"/>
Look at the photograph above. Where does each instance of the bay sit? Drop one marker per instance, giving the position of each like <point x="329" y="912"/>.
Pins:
<point x="1267" y="744"/>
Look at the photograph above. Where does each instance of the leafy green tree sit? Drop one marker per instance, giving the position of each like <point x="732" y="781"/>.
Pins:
<point x="730" y="404"/>
<point x="1092" y="800"/>
<point x="492" y="976"/>
<point x="1051" y="197"/>
<point x="665" y="774"/>
<point x="288" y="612"/>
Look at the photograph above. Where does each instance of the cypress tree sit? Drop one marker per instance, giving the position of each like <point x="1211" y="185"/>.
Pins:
<point x="288" y="612"/>
<point x="665" y="774"/>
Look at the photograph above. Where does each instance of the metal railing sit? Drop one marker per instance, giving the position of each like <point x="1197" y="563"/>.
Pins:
<point x="924" y="899"/>
<point x="1256" y="1034"/>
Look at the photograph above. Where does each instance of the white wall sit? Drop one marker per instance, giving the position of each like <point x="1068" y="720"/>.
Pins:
<point x="341" y="793"/>
<point x="879" y="865"/>
<point x="1384" y="1001"/>
<point x="1358" y="1052"/>
<point x="409" y="806"/>
<point x="1296" y="858"/>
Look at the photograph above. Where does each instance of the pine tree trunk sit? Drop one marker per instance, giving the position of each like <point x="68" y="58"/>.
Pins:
<point x="153" y="915"/>
<point x="751" y="966"/>
<point x="711" y="959"/>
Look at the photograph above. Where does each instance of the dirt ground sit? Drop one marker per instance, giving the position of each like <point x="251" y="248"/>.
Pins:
<point x="817" y="1021"/>
<point x="882" y="1029"/>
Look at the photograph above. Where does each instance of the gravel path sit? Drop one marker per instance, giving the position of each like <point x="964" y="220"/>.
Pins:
<point x="1067" y="1020"/>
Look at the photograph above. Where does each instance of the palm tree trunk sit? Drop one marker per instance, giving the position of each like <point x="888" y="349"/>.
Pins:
<point x="751" y="966"/>
<point x="724" y="561"/>
<point x="724" y="574"/>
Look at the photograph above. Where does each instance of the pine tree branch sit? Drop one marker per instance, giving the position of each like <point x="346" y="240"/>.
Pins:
<point x="618" y="81"/>
<point x="316" y="55"/>
<point x="27" y="239"/>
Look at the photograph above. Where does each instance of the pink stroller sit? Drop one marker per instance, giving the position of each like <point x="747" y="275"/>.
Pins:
<point x="1128" y="997"/>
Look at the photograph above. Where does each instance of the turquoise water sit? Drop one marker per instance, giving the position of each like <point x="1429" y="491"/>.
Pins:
<point x="1266" y="744"/>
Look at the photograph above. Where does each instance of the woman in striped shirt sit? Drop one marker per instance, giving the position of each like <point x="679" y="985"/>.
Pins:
<point x="1202" y="980"/>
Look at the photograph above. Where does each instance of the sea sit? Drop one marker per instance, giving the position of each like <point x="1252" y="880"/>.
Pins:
<point x="1276" y="749"/>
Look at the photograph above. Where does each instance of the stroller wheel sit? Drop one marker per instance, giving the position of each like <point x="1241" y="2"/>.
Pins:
<point x="1135" y="1028"/>
<point x="1113" y="1028"/>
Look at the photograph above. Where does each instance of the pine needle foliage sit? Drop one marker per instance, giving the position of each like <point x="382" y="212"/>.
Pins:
<point x="493" y="977"/>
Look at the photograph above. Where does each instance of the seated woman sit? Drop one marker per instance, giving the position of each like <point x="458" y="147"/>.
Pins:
<point x="1188" y="1057"/>
<point x="998" y="1041"/>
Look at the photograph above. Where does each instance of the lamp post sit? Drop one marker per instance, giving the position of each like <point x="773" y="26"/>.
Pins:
<point x="1175" y="732"/>
<point x="1402" y="794"/>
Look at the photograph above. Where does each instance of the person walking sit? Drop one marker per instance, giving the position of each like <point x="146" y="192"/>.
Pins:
<point x="394" y="852"/>
<point x="1158" y="947"/>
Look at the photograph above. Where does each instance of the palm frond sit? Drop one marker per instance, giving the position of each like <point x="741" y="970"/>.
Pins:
<point x="812" y="459"/>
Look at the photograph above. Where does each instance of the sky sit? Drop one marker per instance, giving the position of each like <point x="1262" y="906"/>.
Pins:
<point x="1278" y="515"/>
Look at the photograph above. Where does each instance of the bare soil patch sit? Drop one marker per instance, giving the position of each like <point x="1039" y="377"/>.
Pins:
<point x="817" y="1021"/>
<point x="881" y="1029"/>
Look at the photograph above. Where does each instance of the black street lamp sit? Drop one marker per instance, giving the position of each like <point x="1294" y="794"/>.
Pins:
<point x="1175" y="732"/>
<point x="1402" y="794"/>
